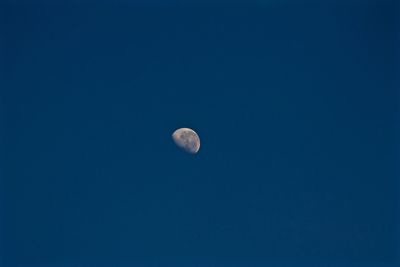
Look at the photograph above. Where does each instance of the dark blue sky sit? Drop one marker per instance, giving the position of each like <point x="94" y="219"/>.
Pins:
<point x="295" y="105"/>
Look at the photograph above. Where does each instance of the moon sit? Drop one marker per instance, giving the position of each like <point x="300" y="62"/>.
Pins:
<point x="187" y="139"/>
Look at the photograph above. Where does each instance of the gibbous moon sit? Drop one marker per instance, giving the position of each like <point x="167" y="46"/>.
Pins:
<point x="187" y="139"/>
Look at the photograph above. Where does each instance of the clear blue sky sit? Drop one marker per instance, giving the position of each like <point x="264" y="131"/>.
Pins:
<point x="295" y="103"/>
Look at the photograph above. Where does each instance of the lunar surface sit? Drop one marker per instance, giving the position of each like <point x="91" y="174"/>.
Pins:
<point x="187" y="139"/>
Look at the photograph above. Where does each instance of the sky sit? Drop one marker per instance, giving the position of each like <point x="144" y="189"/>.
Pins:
<point x="296" y="105"/>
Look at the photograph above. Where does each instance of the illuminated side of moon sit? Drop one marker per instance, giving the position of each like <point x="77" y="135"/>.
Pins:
<point x="187" y="139"/>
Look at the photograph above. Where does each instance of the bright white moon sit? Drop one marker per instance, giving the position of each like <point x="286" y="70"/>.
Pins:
<point x="187" y="139"/>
